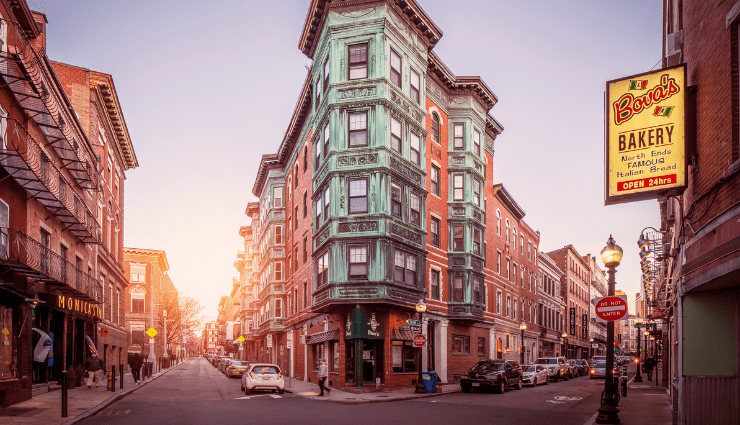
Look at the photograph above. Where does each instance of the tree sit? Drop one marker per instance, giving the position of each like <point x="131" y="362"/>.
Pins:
<point x="184" y="314"/>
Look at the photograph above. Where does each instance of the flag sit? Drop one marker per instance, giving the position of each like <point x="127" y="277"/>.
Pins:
<point x="91" y="345"/>
<point x="638" y="84"/>
<point x="663" y="111"/>
<point x="42" y="348"/>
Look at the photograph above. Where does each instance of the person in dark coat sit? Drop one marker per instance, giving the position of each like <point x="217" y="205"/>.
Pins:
<point x="135" y="362"/>
<point x="650" y="364"/>
<point x="95" y="368"/>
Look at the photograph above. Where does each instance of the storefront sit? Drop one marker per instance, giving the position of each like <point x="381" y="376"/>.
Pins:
<point x="15" y="329"/>
<point x="364" y="348"/>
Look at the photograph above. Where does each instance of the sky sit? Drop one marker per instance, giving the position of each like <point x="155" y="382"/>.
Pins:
<point x="207" y="88"/>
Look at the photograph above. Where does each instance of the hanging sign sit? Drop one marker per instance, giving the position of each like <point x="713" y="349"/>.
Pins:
<point x="645" y="136"/>
<point x="572" y="321"/>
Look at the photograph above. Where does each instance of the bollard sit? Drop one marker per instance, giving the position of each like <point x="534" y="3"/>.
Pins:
<point x="64" y="393"/>
<point x="120" y="367"/>
<point x="109" y="384"/>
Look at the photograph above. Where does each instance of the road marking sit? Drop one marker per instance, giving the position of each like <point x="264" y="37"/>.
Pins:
<point x="258" y="395"/>
<point x="562" y="399"/>
<point x="309" y="393"/>
<point x="275" y="396"/>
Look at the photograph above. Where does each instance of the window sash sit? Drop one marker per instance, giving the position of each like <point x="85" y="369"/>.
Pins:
<point x="277" y="195"/>
<point x="457" y="289"/>
<point x="358" y="196"/>
<point x="326" y="204"/>
<point x="435" y="232"/>
<point x="358" y="262"/>
<point x="415" y="207"/>
<point x="435" y="127"/>
<point x="415" y="82"/>
<point x="415" y="148"/>
<point x="358" y="129"/>
<point x="435" y="180"/>
<point x="459" y="187"/>
<point x="476" y="192"/>
<point x="458" y="237"/>
<point x="395" y="68"/>
<point x="357" y="61"/>
<point x="396" y="135"/>
<point x="395" y="200"/>
<point x="435" y="284"/>
<point x="326" y="139"/>
<point x="476" y="291"/>
<point x="459" y="135"/>
<point x="476" y="142"/>
<point x="326" y="74"/>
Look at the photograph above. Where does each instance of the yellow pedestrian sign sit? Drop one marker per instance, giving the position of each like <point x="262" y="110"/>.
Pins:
<point x="241" y="338"/>
<point x="151" y="332"/>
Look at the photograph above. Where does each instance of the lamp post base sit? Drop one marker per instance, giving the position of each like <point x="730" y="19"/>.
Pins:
<point x="420" y="388"/>
<point x="638" y="378"/>
<point x="607" y="415"/>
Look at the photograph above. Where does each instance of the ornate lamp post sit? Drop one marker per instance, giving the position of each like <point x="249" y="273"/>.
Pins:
<point x="565" y="343"/>
<point x="591" y="348"/>
<point x="638" y="376"/>
<point x="611" y="255"/>
<point x="523" y="327"/>
<point x="420" y="309"/>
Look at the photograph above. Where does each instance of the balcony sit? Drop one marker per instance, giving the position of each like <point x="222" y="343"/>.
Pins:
<point x="27" y="163"/>
<point x="23" y="254"/>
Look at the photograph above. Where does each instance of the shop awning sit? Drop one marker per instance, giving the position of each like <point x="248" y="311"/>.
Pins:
<point x="332" y="335"/>
<point x="402" y="335"/>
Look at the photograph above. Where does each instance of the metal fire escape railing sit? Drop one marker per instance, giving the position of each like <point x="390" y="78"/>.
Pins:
<point x="25" y="160"/>
<point x="24" y="73"/>
<point x="653" y="286"/>
<point x="26" y="255"/>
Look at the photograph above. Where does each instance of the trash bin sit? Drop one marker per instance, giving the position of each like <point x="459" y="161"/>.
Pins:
<point x="429" y="379"/>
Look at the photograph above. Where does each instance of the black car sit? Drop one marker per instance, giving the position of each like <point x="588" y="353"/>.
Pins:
<point x="583" y="366"/>
<point x="496" y="374"/>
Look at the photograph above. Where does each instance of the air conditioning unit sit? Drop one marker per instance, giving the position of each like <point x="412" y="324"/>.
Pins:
<point x="674" y="42"/>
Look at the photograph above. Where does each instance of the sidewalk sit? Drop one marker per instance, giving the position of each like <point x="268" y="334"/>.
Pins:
<point x="82" y="402"/>
<point x="311" y="390"/>
<point x="645" y="403"/>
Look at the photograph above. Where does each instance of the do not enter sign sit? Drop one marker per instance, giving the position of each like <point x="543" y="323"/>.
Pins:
<point x="609" y="309"/>
<point x="420" y="340"/>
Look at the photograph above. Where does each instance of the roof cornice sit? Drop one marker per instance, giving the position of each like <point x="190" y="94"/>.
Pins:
<point x="103" y="83"/>
<point x="453" y="83"/>
<point x="508" y="201"/>
<point x="161" y="256"/>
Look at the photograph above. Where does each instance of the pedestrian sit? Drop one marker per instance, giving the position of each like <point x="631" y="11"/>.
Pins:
<point x="135" y="362"/>
<point x="650" y="364"/>
<point x="94" y="367"/>
<point x="323" y="374"/>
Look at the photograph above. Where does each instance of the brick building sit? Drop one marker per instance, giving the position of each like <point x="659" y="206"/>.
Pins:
<point x="551" y="308"/>
<point x="54" y="257"/>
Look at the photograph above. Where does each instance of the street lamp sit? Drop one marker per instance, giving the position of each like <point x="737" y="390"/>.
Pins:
<point x="420" y="309"/>
<point x="638" y="375"/>
<point x="591" y="348"/>
<point x="565" y="343"/>
<point x="523" y="327"/>
<point x="611" y="255"/>
<point x="646" y="346"/>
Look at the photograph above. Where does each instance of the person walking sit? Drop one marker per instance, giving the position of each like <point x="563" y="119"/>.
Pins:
<point x="650" y="364"/>
<point x="135" y="363"/>
<point x="323" y="374"/>
<point x="94" y="367"/>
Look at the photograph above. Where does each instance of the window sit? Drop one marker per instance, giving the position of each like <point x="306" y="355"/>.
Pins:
<point x="498" y="302"/>
<point x="295" y="175"/>
<point x="415" y="148"/>
<point x="476" y="192"/>
<point x="326" y="204"/>
<point x="481" y="346"/>
<point x="458" y="188"/>
<point x="460" y="344"/>
<point x="521" y="244"/>
<point x="513" y="234"/>
<point x="404" y="356"/>
<point x="358" y="61"/>
<point x="513" y="310"/>
<point x="434" y="285"/>
<point x="521" y="277"/>
<point x="326" y="74"/>
<point x="358" y="262"/>
<point x="278" y="271"/>
<point x="477" y="242"/>
<point x="326" y="140"/>
<point x="322" y="271"/>
<point x="507" y="230"/>
<point x="395" y="68"/>
<point x="435" y="232"/>
<point x="508" y="305"/>
<point x="396" y="135"/>
<point x="498" y="262"/>
<point x="498" y="222"/>
<point x="318" y="93"/>
<point x="305" y="294"/>
<point x="415" y="82"/>
<point x="415" y="207"/>
<point x="358" y="129"/>
<point x="529" y="250"/>
<point x="477" y="291"/>
<point x="435" y="127"/>
<point x="278" y="235"/>
<point x="458" y="136"/>
<point x="508" y="269"/>
<point x="358" y="196"/>
<point x="458" y="238"/>
<point x="405" y="268"/>
<point x="138" y="300"/>
<point x="395" y="200"/>
<point x="318" y="209"/>
<point x="278" y="308"/>
<point x="435" y="180"/>
<point x="305" y="249"/>
<point x="457" y="289"/>
<point x="305" y="204"/>
<point x="295" y="218"/>
<point x="476" y="142"/>
<point x="305" y="158"/>
<point x="317" y="148"/>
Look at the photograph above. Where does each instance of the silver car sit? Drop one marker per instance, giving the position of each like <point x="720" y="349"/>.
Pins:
<point x="534" y="374"/>
<point x="263" y="376"/>
<point x="236" y="368"/>
<point x="557" y="367"/>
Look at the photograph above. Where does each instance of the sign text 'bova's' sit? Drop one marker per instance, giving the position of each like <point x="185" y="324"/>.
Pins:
<point x="645" y="138"/>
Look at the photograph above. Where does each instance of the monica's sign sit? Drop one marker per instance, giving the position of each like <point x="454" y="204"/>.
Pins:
<point x="645" y="135"/>
<point x="74" y="304"/>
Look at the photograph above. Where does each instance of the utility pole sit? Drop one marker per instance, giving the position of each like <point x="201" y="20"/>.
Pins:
<point x="152" y="355"/>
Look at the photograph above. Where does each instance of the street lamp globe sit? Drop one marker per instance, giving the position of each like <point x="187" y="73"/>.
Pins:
<point x="523" y="326"/>
<point x="611" y="255"/>
<point x="646" y="333"/>
<point x="420" y="306"/>
<point x="564" y="335"/>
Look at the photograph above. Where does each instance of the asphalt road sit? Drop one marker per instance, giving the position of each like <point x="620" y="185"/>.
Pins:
<point x="197" y="393"/>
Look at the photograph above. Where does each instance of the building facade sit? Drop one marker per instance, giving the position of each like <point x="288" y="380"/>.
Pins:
<point x="52" y="248"/>
<point x="551" y="308"/>
<point x="598" y="288"/>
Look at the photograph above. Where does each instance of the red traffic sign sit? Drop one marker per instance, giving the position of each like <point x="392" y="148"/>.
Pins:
<point x="420" y="340"/>
<point x="610" y="309"/>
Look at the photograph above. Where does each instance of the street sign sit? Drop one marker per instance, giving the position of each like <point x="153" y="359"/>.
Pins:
<point x="405" y="327"/>
<point x="241" y="338"/>
<point x="269" y="341"/>
<point x="413" y="322"/>
<point x="644" y="325"/>
<point x="609" y="309"/>
<point x="151" y="332"/>
<point x="289" y="344"/>
<point x="416" y="329"/>
<point x="420" y="340"/>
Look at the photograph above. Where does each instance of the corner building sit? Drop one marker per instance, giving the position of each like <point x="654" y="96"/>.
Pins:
<point x="381" y="194"/>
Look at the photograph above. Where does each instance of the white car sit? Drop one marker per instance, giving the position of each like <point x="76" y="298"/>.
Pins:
<point x="535" y="374"/>
<point x="263" y="376"/>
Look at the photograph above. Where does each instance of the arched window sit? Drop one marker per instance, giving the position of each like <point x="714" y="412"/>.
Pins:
<point x="499" y="349"/>
<point x="507" y="230"/>
<point x="498" y="222"/>
<point x="435" y="127"/>
<point x="513" y="235"/>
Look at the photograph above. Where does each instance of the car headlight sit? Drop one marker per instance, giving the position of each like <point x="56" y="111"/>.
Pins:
<point x="464" y="377"/>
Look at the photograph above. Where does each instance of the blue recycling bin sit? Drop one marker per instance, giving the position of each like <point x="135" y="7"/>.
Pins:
<point x="429" y="379"/>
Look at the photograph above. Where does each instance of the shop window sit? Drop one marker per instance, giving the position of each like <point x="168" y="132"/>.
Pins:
<point x="404" y="356"/>
<point x="334" y="364"/>
<point x="460" y="344"/>
<point x="7" y="343"/>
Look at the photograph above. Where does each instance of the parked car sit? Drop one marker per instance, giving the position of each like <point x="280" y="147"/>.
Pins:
<point x="557" y="367"/>
<point x="236" y="368"/>
<point x="223" y="363"/>
<point x="598" y="369"/>
<point x="573" y="370"/>
<point x="496" y="374"/>
<point x="582" y="366"/>
<point x="595" y="359"/>
<point x="534" y="374"/>
<point x="263" y="376"/>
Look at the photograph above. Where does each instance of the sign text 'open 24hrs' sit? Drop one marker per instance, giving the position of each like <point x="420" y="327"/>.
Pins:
<point x="645" y="135"/>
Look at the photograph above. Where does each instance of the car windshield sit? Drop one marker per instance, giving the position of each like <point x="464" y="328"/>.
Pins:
<point x="600" y="365"/>
<point x="547" y="361"/>
<point x="239" y="363"/>
<point x="266" y="369"/>
<point x="487" y="366"/>
<point x="531" y="368"/>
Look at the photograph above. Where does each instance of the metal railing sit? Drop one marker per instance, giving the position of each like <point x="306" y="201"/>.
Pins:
<point x="44" y="264"/>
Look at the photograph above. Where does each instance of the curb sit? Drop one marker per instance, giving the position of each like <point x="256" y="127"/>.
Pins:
<point x="385" y="400"/>
<point x="114" y="398"/>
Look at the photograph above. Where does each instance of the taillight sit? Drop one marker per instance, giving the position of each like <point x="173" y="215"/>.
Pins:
<point x="232" y="367"/>
<point x="280" y="374"/>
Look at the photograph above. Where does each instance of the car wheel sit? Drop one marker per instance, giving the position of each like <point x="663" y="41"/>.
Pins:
<point x="464" y="388"/>
<point x="565" y="377"/>
<point x="247" y="391"/>
<point x="273" y="391"/>
<point x="519" y="384"/>
<point x="501" y="387"/>
<point x="535" y="382"/>
<point x="241" y="386"/>
<point x="547" y="379"/>
<point x="281" y="391"/>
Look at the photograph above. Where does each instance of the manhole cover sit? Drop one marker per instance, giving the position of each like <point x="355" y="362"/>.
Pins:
<point x="20" y="411"/>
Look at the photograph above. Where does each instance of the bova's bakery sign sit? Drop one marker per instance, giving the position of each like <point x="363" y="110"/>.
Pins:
<point x="645" y="136"/>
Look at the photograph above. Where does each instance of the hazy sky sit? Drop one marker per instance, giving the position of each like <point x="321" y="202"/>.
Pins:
<point x="209" y="87"/>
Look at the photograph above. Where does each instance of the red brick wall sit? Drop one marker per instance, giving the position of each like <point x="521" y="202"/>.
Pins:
<point x="457" y="363"/>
